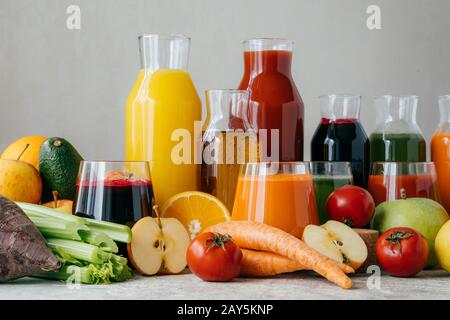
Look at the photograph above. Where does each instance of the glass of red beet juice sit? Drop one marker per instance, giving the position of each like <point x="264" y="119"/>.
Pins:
<point x="114" y="191"/>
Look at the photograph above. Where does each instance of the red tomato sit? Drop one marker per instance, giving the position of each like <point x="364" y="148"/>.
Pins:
<point x="214" y="257"/>
<point x="351" y="205"/>
<point x="402" y="252"/>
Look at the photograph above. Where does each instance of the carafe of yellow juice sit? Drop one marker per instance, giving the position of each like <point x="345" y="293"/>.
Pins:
<point x="229" y="141"/>
<point x="161" y="114"/>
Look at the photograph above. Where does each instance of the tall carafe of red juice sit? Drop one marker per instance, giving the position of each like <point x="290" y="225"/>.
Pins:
<point x="161" y="112"/>
<point x="397" y="137"/>
<point x="440" y="151"/>
<point x="340" y="135"/>
<point x="275" y="103"/>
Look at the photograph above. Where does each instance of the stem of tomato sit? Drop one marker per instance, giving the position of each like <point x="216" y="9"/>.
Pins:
<point x="396" y="237"/>
<point x="218" y="241"/>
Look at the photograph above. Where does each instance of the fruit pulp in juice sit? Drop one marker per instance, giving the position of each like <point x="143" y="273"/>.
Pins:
<point x="397" y="147"/>
<point x="220" y="177"/>
<point x="324" y="186"/>
<point x="275" y="102"/>
<point x="440" y="155"/>
<point x="161" y="111"/>
<point x="284" y="201"/>
<point x="384" y="188"/>
<point x="343" y="140"/>
<point x="118" y="201"/>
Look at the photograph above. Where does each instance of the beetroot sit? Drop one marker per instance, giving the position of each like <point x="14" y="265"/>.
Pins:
<point x="23" y="250"/>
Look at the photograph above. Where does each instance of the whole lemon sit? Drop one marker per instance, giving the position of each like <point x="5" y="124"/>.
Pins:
<point x="442" y="246"/>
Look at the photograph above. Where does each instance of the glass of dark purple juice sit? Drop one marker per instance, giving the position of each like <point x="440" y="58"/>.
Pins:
<point x="114" y="191"/>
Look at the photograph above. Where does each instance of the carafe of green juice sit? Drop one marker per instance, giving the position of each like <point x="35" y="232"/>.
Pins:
<point x="163" y="111"/>
<point x="397" y="137"/>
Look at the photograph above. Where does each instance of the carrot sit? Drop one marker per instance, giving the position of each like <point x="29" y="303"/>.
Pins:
<point x="261" y="237"/>
<point x="342" y="266"/>
<point x="263" y="264"/>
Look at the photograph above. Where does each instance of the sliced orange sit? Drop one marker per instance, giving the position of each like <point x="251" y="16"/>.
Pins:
<point x="196" y="211"/>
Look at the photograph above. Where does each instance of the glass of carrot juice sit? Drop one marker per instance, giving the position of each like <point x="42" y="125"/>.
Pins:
<point x="401" y="180"/>
<point x="278" y="194"/>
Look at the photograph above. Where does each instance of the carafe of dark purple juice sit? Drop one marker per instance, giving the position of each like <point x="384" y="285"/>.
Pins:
<point x="341" y="137"/>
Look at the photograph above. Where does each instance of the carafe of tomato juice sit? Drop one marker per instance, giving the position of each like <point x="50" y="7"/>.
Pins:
<point x="397" y="137"/>
<point x="160" y="110"/>
<point x="340" y="135"/>
<point x="274" y="101"/>
<point x="440" y="151"/>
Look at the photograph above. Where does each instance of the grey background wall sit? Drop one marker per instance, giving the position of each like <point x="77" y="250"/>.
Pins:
<point x="73" y="83"/>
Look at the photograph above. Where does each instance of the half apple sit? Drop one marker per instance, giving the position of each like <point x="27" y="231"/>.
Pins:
<point x="158" y="246"/>
<point x="337" y="241"/>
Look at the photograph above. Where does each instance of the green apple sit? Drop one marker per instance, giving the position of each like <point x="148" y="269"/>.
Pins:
<point x="442" y="246"/>
<point x="423" y="215"/>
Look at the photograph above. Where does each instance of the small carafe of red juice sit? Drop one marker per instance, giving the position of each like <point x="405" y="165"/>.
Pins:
<point x="275" y="103"/>
<point x="341" y="137"/>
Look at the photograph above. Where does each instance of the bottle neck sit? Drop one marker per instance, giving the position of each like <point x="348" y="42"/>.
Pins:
<point x="227" y="110"/>
<point x="397" y="114"/>
<point x="444" y="109"/>
<point x="340" y="108"/>
<point x="164" y="52"/>
<point x="268" y="61"/>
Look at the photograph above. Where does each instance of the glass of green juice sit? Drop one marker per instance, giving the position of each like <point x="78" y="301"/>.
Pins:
<point x="328" y="176"/>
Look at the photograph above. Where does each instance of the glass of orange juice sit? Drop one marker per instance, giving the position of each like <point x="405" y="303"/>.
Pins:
<point x="280" y="194"/>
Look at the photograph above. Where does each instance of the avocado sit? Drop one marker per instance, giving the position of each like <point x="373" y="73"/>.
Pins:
<point x="58" y="165"/>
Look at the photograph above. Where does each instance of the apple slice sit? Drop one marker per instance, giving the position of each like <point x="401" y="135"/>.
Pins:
<point x="158" y="246"/>
<point x="337" y="241"/>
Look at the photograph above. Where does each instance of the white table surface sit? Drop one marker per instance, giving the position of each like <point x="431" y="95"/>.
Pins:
<point x="301" y="285"/>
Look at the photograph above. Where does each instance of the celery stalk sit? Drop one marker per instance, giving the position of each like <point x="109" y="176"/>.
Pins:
<point x="113" y="270"/>
<point x="117" y="232"/>
<point x="34" y="210"/>
<point x="79" y="250"/>
<point x="60" y="229"/>
<point x="98" y="239"/>
<point x="90" y="274"/>
<point x="70" y="273"/>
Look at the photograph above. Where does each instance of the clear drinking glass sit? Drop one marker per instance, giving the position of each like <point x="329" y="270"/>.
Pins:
<point x="228" y="142"/>
<point x="397" y="137"/>
<point x="328" y="176"/>
<point x="114" y="191"/>
<point x="401" y="180"/>
<point x="280" y="194"/>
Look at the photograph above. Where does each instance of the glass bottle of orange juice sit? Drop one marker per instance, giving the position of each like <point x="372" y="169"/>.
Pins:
<point x="440" y="151"/>
<point x="161" y="112"/>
